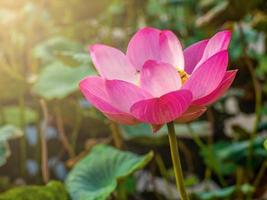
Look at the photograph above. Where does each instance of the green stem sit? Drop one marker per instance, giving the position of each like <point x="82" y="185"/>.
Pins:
<point x="164" y="173"/>
<point x="176" y="162"/>
<point x="62" y="134"/>
<point x="239" y="180"/>
<point x="202" y="145"/>
<point x="196" y="138"/>
<point x="258" y="95"/>
<point x="116" y="135"/>
<point x="260" y="174"/>
<point x="76" y="128"/>
<point x="121" y="192"/>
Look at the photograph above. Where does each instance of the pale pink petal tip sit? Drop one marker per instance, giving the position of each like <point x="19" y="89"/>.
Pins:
<point x="143" y="46"/>
<point x="171" y="50"/>
<point x="111" y="63"/>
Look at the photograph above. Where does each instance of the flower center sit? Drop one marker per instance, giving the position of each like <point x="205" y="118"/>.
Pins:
<point x="184" y="76"/>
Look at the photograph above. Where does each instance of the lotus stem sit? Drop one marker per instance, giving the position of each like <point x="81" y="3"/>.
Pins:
<point x="176" y="162"/>
<point x="116" y="135"/>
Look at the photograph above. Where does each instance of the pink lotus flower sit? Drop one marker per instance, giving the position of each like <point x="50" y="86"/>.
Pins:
<point x="157" y="82"/>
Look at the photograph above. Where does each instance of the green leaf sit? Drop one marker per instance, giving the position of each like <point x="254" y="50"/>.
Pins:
<point x="49" y="50"/>
<point x="142" y="133"/>
<point x="12" y="115"/>
<point x="4" y="152"/>
<point x="6" y="133"/>
<point x="52" y="191"/>
<point x="223" y="157"/>
<point x="224" y="193"/>
<point x="58" y="81"/>
<point x="97" y="175"/>
<point x="265" y="144"/>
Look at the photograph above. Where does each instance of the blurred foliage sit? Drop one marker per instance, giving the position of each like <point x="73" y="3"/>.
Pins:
<point x="65" y="78"/>
<point x="224" y="157"/>
<point x="7" y="133"/>
<point x="43" y="55"/>
<point x="52" y="191"/>
<point x="228" y="192"/>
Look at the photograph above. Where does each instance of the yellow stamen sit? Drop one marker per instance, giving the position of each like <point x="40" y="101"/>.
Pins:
<point x="184" y="76"/>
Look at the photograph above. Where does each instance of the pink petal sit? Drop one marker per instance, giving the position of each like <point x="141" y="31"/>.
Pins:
<point x="144" y="46"/>
<point x="111" y="96"/>
<point x="123" y="94"/>
<point x="192" y="113"/>
<point x="163" y="109"/>
<point x="170" y="49"/>
<point x="208" y="76"/>
<point x="219" y="42"/>
<point x="193" y="55"/>
<point x="93" y="88"/>
<point x="219" y="91"/>
<point x="122" y="118"/>
<point x="111" y="63"/>
<point x="159" y="78"/>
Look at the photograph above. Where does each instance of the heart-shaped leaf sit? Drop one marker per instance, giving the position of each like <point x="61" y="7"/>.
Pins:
<point x="97" y="175"/>
<point x="58" y="81"/>
<point x="52" y="191"/>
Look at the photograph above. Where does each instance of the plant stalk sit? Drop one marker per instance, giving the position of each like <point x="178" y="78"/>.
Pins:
<point x="258" y="95"/>
<point x="23" y="142"/>
<point x="63" y="137"/>
<point x="44" y="151"/>
<point x="116" y="135"/>
<point x="176" y="162"/>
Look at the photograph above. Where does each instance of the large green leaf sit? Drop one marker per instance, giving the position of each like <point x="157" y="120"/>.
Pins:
<point x="97" y="175"/>
<point x="6" y="133"/>
<point x="143" y="132"/>
<point x="52" y="191"/>
<point x="62" y="49"/>
<point x="12" y="115"/>
<point x="58" y="81"/>
<point x="49" y="50"/>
